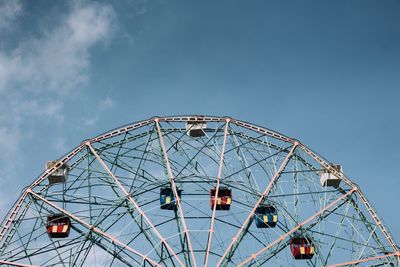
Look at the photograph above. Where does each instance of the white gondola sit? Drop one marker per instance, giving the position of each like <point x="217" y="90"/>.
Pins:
<point x="196" y="128"/>
<point x="58" y="176"/>
<point x="330" y="179"/>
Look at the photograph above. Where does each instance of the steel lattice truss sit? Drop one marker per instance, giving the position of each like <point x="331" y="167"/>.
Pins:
<point x="112" y="196"/>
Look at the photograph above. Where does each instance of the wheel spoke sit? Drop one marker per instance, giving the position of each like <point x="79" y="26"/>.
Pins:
<point x="189" y="191"/>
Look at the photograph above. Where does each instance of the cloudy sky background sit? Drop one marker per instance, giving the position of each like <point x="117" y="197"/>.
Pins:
<point x="325" y="72"/>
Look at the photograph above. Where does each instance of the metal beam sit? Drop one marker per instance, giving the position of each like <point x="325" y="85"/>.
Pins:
<point x="94" y="228"/>
<point x="175" y="190"/>
<point x="221" y="161"/>
<point x="135" y="204"/>
<point x="293" y="230"/>
<point x="17" y="264"/>
<point x="236" y="240"/>
<point x="396" y="254"/>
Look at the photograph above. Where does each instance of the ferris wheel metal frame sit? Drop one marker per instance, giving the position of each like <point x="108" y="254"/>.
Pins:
<point x="152" y="233"/>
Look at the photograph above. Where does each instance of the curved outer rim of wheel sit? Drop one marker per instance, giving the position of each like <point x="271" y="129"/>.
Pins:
<point x="15" y="210"/>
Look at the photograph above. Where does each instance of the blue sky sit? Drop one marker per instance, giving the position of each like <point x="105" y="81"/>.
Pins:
<point x="325" y="72"/>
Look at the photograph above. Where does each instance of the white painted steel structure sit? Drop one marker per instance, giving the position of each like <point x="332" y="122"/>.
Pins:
<point x="112" y="197"/>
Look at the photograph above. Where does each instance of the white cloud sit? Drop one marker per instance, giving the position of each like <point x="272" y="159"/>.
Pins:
<point x="38" y="74"/>
<point x="90" y="121"/>
<point x="102" y="106"/>
<point x="36" y="108"/>
<point x="107" y="103"/>
<point x="16" y="118"/>
<point x="9" y="138"/>
<point x="59" y="144"/>
<point x="59" y="59"/>
<point x="9" y="11"/>
<point x="8" y="69"/>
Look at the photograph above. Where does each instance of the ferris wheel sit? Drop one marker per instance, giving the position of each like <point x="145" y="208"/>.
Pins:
<point x="194" y="191"/>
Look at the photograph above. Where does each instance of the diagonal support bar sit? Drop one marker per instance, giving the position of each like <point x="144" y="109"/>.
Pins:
<point x="16" y="264"/>
<point x="396" y="254"/>
<point x="236" y="240"/>
<point x="12" y="215"/>
<point x="284" y="236"/>
<point x="135" y="204"/>
<point x="175" y="190"/>
<point x="371" y="211"/>
<point x="93" y="228"/>
<point x="221" y="161"/>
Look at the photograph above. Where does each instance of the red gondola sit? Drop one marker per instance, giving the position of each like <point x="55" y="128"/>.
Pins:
<point x="58" y="226"/>
<point x="302" y="248"/>
<point x="223" y="200"/>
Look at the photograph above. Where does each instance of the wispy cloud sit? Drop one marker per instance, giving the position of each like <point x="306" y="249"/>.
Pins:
<point x="9" y="11"/>
<point x="103" y="105"/>
<point x="90" y="121"/>
<point x="107" y="103"/>
<point x="59" y="144"/>
<point x="58" y="60"/>
<point x="36" y="76"/>
<point x="39" y="73"/>
<point x="9" y="137"/>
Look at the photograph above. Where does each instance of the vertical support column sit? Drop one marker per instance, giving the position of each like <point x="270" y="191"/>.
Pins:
<point x="175" y="190"/>
<point x="221" y="161"/>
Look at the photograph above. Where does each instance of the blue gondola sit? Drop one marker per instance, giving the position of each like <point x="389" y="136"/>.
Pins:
<point x="167" y="198"/>
<point x="266" y="216"/>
